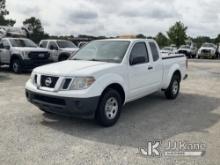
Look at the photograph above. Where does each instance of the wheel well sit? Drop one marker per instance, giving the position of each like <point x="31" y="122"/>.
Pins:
<point x="63" y="55"/>
<point x="118" y="88"/>
<point x="13" y="58"/>
<point x="178" y="73"/>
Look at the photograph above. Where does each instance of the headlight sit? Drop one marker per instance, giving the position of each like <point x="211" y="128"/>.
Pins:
<point x="33" y="78"/>
<point x="213" y="51"/>
<point x="80" y="83"/>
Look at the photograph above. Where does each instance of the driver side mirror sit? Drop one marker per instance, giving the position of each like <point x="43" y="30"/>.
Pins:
<point x="138" y="60"/>
<point x="53" y="47"/>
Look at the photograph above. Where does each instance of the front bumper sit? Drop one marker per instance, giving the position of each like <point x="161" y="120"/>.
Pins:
<point x="77" y="107"/>
<point x="206" y="55"/>
<point x="30" y="64"/>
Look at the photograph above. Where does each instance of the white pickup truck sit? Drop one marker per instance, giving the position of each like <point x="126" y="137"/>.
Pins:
<point x="22" y="53"/>
<point x="208" y="50"/>
<point x="103" y="76"/>
<point x="60" y="50"/>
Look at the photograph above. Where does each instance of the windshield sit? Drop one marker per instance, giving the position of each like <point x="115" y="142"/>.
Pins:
<point x="66" y="44"/>
<point x="22" y="43"/>
<point x="208" y="45"/>
<point x="106" y="51"/>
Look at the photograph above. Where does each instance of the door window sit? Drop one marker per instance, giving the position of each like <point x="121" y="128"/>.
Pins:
<point x="139" y="52"/>
<point x="53" y="46"/>
<point x="43" y="44"/>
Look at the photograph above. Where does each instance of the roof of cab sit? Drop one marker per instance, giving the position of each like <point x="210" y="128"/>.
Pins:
<point x="54" y="40"/>
<point x="127" y="39"/>
<point x="18" y="38"/>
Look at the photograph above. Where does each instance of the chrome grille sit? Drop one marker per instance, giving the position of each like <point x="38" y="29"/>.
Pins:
<point x="48" y="81"/>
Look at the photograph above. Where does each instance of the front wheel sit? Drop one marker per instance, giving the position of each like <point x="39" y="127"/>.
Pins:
<point x="63" y="58"/>
<point x="109" y="108"/>
<point x="173" y="89"/>
<point x="16" y="66"/>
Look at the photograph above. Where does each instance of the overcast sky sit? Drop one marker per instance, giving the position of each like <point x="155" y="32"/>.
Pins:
<point x="116" y="17"/>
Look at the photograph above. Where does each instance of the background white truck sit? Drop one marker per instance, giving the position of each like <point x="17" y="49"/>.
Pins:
<point x="22" y="53"/>
<point x="208" y="50"/>
<point x="60" y="50"/>
<point x="168" y="50"/>
<point x="103" y="76"/>
<point x="188" y="50"/>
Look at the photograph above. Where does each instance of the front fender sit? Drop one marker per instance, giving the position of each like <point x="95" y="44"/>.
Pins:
<point x="108" y="79"/>
<point x="14" y="55"/>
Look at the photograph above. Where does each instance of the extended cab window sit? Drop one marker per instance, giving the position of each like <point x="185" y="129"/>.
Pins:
<point x="139" y="54"/>
<point x="154" y="51"/>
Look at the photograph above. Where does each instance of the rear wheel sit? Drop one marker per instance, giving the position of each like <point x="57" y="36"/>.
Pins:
<point x="174" y="87"/>
<point x="16" y="66"/>
<point x="109" y="108"/>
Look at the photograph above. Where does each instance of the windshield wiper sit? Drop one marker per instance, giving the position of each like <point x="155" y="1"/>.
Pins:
<point x="76" y="59"/>
<point x="95" y="60"/>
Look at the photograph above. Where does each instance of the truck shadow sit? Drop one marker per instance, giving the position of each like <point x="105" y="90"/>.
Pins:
<point x="4" y="77"/>
<point x="152" y="117"/>
<point x="6" y="71"/>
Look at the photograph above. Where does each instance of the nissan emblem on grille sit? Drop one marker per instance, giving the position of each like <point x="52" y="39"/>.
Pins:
<point x="48" y="81"/>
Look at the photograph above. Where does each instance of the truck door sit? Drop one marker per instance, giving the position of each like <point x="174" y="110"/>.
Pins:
<point x="5" y="52"/>
<point x="139" y="71"/>
<point x="157" y="66"/>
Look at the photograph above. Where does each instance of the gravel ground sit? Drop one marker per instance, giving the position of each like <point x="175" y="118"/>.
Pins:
<point x="28" y="136"/>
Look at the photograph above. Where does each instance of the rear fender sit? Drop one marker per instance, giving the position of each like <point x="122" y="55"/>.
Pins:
<point x="169" y="76"/>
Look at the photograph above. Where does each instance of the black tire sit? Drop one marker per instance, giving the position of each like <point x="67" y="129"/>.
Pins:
<point x="190" y="55"/>
<point x="104" y="114"/>
<point x="63" y="58"/>
<point x="173" y="90"/>
<point x="16" y="66"/>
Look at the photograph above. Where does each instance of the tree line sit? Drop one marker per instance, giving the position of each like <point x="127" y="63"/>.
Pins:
<point x="176" y="34"/>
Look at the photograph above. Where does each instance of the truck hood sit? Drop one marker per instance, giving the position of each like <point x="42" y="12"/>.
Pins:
<point x="184" y="49"/>
<point x="73" y="68"/>
<point x="69" y="49"/>
<point x="206" y="48"/>
<point x="29" y="49"/>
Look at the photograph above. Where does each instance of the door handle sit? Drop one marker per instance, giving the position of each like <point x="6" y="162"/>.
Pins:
<point x="150" y="67"/>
